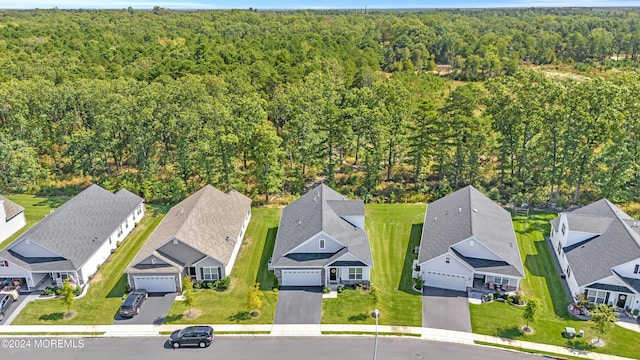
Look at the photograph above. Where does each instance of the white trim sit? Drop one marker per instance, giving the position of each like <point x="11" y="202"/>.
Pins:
<point x="326" y="236"/>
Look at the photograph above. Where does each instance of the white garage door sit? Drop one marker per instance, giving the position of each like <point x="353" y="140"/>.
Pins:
<point x="155" y="283"/>
<point x="445" y="281"/>
<point x="301" y="278"/>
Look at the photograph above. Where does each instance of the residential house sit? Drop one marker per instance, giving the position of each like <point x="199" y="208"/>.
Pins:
<point x="321" y="241"/>
<point x="598" y="249"/>
<point x="468" y="240"/>
<point x="199" y="237"/>
<point x="74" y="240"/>
<point x="11" y="218"/>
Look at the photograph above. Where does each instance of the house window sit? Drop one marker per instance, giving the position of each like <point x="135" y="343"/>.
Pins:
<point x="559" y="247"/>
<point x="355" y="273"/>
<point x="500" y="280"/>
<point x="637" y="269"/>
<point x="564" y="228"/>
<point x="119" y="230"/>
<point x="596" y="296"/>
<point x="4" y="263"/>
<point x="126" y="223"/>
<point x="139" y="209"/>
<point x="209" y="273"/>
<point x="447" y="260"/>
<point x="321" y="243"/>
<point x="568" y="271"/>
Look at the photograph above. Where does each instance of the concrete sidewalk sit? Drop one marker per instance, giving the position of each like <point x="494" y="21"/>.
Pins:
<point x="299" y="330"/>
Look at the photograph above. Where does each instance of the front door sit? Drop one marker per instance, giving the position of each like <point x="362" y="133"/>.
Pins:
<point x="622" y="299"/>
<point x="333" y="274"/>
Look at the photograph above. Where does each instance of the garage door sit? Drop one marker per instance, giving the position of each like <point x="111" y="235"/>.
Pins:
<point x="445" y="281"/>
<point x="155" y="283"/>
<point x="301" y="278"/>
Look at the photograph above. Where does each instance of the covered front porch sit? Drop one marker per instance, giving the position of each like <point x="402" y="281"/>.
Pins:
<point x="612" y="295"/>
<point x="346" y="275"/>
<point x="498" y="283"/>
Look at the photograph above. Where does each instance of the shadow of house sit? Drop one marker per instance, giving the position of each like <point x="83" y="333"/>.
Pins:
<point x="406" y="279"/>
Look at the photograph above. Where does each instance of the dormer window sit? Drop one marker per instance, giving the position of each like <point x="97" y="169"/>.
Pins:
<point x="153" y="261"/>
<point x="564" y="228"/>
<point x="321" y="243"/>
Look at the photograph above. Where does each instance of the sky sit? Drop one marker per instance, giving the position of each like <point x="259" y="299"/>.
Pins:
<point x="305" y="4"/>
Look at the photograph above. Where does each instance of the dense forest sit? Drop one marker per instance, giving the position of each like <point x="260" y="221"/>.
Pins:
<point x="162" y="102"/>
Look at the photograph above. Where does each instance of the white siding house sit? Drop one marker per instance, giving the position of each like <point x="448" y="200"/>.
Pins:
<point x="74" y="240"/>
<point x="11" y="218"/>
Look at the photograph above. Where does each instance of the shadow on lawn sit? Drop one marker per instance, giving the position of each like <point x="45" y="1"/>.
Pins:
<point x="579" y="344"/>
<point x="52" y="317"/>
<point x="172" y="318"/>
<point x="265" y="277"/>
<point x="240" y="316"/>
<point x="406" y="279"/>
<point x="508" y="332"/>
<point x="52" y="202"/>
<point x="359" y="317"/>
<point x="117" y="291"/>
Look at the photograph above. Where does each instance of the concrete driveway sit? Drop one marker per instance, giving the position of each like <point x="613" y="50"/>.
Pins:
<point x="445" y="309"/>
<point x="152" y="312"/>
<point x="12" y="311"/>
<point x="299" y="305"/>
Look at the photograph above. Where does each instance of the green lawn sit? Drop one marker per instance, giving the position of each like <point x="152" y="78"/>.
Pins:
<point x="250" y="267"/>
<point x="542" y="281"/>
<point x="394" y="230"/>
<point x="104" y="296"/>
<point x="35" y="208"/>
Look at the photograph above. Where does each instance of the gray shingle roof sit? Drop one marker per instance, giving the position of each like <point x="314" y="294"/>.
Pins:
<point x="76" y="230"/>
<point x="11" y="209"/>
<point x="468" y="213"/>
<point x="633" y="283"/>
<point x="321" y="209"/>
<point x="609" y="287"/>
<point x="619" y="243"/>
<point x="209" y="221"/>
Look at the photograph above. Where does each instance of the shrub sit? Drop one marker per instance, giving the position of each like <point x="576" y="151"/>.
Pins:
<point x="118" y="243"/>
<point x="47" y="291"/>
<point x="211" y="285"/>
<point x="197" y="285"/>
<point x="366" y="287"/>
<point x="340" y="289"/>
<point x="223" y="284"/>
<point x="635" y="312"/>
<point x="127" y="288"/>
<point x="326" y="290"/>
<point x="77" y="291"/>
<point x="488" y="297"/>
<point x="419" y="282"/>
<point x="57" y="291"/>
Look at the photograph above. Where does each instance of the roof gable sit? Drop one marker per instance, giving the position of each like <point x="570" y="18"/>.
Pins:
<point x="11" y="209"/>
<point x="615" y="244"/>
<point x="322" y="210"/>
<point x="465" y="214"/>
<point x="208" y="221"/>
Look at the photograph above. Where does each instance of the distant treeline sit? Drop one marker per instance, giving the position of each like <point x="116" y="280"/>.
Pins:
<point x="161" y="102"/>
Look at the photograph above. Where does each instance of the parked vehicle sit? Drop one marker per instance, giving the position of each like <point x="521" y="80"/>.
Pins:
<point x="14" y="291"/>
<point x="201" y="336"/>
<point x="133" y="302"/>
<point x="5" y="301"/>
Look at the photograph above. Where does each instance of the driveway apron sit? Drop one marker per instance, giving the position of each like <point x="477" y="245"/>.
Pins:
<point x="445" y="309"/>
<point x="299" y="305"/>
<point x="152" y="312"/>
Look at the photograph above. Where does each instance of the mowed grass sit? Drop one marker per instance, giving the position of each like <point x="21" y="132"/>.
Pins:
<point x="250" y="267"/>
<point x="394" y="230"/>
<point x="35" y="209"/>
<point x="104" y="297"/>
<point x="543" y="282"/>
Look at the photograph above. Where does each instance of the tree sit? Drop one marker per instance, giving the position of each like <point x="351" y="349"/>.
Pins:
<point x="530" y="311"/>
<point x="603" y="316"/>
<point x="267" y="159"/>
<point x="67" y="296"/>
<point x="254" y="302"/>
<point x="187" y="292"/>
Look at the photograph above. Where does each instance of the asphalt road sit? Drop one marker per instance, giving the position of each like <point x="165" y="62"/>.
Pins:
<point x="247" y="347"/>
